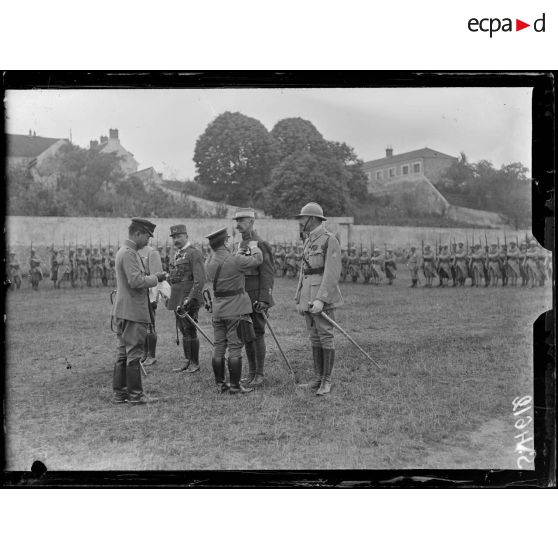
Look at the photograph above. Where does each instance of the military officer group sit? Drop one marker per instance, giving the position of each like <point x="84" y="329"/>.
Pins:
<point x="242" y="279"/>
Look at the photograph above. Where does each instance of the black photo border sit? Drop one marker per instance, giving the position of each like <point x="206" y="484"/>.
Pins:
<point x="544" y="331"/>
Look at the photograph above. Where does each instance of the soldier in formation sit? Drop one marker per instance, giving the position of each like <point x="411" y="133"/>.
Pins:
<point x="353" y="265"/>
<point x="428" y="265"/>
<point x="443" y="266"/>
<point x="413" y="265"/>
<point x="14" y="271"/>
<point x="35" y="271"/>
<point x="460" y="265"/>
<point x="364" y="263"/>
<point x="390" y="266"/>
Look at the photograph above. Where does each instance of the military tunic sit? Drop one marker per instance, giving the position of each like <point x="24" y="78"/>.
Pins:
<point x="413" y="265"/>
<point x="230" y="299"/>
<point x="460" y="263"/>
<point x="187" y="278"/>
<point x="258" y="280"/>
<point x="319" y="280"/>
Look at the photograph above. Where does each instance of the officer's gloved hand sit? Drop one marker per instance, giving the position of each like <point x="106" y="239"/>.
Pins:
<point x="186" y="305"/>
<point x="261" y="306"/>
<point x="161" y="276"/>
<point x="317" y="306"/>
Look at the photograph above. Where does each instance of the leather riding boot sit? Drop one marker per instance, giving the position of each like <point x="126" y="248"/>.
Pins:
<point x="218" y="364"/>
<point x="260" y="361"/>
<point x="194" y="354"/>
<point x="318" y="356"/>
<point x="187" y="356"/>
<point x="151" y="344"/>
<point x="251" y="357"/>
<point x="329" y="359"/>
<point x="235" y="371"/>
<point x="133" y="380"/>
<point x="119" y="382"/>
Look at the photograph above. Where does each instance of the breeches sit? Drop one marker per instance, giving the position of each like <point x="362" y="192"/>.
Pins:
<point x="225" y="335"/>
<point x="257" y="318"/>
<point x="320" y="331"/>
<point x="131" y="339"/>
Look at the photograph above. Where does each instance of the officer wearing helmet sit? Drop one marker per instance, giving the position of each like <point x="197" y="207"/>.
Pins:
<point x="318" y="290"/>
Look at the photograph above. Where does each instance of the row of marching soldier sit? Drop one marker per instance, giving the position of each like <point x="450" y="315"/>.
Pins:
<point x="242" y="293"/>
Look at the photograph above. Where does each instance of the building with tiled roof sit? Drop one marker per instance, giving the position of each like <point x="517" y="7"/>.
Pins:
<point x="31" y="150"/>
<point x="412" y="164"/>
<point x="111" y="144"/>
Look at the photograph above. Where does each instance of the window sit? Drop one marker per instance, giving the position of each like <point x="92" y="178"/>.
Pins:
<point x="416" y="167"/>
<point x="404" y="169"/>
<point x="379" y="175"/>
<point x="392" y="172"/>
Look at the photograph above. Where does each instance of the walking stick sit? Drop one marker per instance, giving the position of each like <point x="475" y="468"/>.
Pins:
<point x="340" y="329"/>
<point x="295" y="374"/>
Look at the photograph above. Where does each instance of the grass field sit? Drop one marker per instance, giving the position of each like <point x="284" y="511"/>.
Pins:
<point x="454" y="361"/>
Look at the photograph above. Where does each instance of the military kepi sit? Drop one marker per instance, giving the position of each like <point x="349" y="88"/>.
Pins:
<point x="144" y="224"/>
<point x="218" y="236"/>
<point x="244" y="212"/>
<point x="177" y="229"/>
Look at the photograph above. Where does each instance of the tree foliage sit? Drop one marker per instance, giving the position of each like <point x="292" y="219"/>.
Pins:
<point x="89" y="184"/>
<point x="304" y="177"/>
<point x="234" y="158"/>
<point x="480" y="185"/>
<point x="294" y="135"/>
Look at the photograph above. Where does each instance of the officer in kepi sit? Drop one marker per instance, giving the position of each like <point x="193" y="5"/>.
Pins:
<point x="318" y="290"/>
<point x="131" y="314"/>
<point x="187" y="278"/>
<point x="232" y="307"/>
<point x="259" y="286"/>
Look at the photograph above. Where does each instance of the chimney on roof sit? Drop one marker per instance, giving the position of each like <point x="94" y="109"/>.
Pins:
<point x="113" y="134"/>
<point x="389" y="151"/>
<point x="93" y="144"/>
<point x="30" y="132"/>
<point x="103" y="139"/>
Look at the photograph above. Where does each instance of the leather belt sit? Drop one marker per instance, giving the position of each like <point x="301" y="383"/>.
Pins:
<point x="313" y="271"/>
<point x="225" y="294"/>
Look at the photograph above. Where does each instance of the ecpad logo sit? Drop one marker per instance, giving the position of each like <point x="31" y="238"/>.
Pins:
<point x="492" y="25"/>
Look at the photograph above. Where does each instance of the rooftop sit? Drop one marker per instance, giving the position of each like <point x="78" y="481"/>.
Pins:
<point x="21" y="145"/>
<point x="425" y="152"/>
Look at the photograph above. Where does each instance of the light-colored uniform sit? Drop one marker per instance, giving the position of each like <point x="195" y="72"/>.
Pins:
<point x="230" y="300"/>
<point x="319" y="279"/>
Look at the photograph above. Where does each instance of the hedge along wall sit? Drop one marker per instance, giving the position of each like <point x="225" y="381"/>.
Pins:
<point x="44" y="231"/>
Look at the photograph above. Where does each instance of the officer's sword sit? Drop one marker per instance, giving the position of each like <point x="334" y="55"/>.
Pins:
<point x="295" y="374"/>
<point x="189" y="318"/>
<point x="339" y="328"/>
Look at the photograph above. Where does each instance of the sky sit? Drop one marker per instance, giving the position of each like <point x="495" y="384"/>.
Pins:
<point x="160" y="127"/>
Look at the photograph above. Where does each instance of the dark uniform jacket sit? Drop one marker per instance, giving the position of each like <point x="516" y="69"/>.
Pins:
<point x="132" y="283"/>
<point x="259" y="280"/>
<point x="187" y="276"/>
<point x="230" y="281"/>
<point x="320" y="272"/>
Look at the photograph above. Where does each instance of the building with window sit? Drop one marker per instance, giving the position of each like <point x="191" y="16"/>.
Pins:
<point x="413" y="164"/>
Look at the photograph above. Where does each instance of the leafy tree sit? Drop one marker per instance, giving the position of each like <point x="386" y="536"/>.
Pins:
<point x="358" y="183"/>
<point x="480" y="185"/>
<point x="304" y="177"/>
<point x="234" y="158"/>
<point x="294" y="135"/>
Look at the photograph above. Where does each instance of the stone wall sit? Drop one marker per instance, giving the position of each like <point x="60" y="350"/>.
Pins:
<point x="45" y="231"/>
